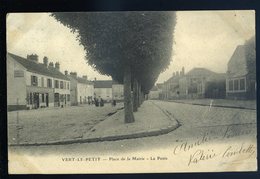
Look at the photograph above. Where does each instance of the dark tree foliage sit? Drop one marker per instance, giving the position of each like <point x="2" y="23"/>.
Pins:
<point x="131" y="47"/>
<point x="113" y="40"/>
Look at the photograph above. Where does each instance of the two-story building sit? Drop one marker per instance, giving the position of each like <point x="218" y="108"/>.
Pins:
<point x="103" y="89"/>
<point x="82" y="90"/>
<point x="171" y="87"/>
<point x="202" y="83"/>
<point x="108" y="90"/>
<point x="32" y="85"/>
<point x="241" y="74"/>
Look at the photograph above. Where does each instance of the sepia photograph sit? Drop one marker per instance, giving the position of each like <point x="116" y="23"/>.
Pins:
<point x="131" y="92"/>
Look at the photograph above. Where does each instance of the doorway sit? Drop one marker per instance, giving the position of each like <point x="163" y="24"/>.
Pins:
<point x="47" y="99"/>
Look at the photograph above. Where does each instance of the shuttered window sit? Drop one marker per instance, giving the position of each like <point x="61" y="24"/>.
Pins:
<point x="34" y="80"/>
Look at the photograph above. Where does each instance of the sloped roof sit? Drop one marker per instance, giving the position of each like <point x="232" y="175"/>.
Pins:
<point x="237" y="65"/>
<point x="38" y="67"/>
<point x="83" y="80"/>
<point x="103" y="84"/>
<point x="174" y="79"/>
<point x="200" y="72"/>
<point x="203" y="72"/>
<point x="116" y="82"/>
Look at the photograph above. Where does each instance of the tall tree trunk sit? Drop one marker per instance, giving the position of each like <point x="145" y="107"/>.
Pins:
<point x="129" y="116"/>
<point x="142" y="94"/>
<point x="139" y="95"/>
<point x="135" y="90"/>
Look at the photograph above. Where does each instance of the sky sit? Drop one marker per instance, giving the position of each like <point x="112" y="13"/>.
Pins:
<point x="201" y="39"/>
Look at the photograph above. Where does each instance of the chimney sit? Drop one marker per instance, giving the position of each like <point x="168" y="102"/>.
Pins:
<point x="51" y="64"/>
<point x="66" y="72"/>
<point x="45" y="61"/>
<point x="57" y="66"/>
<point x="173" y="74"/>
<point x="73" y="74"/>
<point x="95" y="79"/>
<point x="85" y="77"/>
<point x="177" y="73"/>
<point x="33" y="57"/>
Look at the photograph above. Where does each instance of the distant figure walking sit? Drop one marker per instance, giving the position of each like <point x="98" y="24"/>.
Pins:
<point x="101" y="102"/>
<point x="89" y="100"/>
<point x="96" y="102"/>
<point x="114" y="103"/>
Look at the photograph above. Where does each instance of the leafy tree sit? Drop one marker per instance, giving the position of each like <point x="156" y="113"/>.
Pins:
<point x="132" y="47"/>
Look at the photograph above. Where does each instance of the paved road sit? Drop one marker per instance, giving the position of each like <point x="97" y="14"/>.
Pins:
<point x="213" y="129"/>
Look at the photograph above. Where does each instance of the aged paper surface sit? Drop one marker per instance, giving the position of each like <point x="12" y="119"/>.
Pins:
<point x="200" y="116"/>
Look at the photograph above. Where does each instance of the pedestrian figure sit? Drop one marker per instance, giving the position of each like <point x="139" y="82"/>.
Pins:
<point x="114" y="102"/>
<point x="89" y="101"/>
<point x="96" y="102"/>
<point x="101" y="102"/>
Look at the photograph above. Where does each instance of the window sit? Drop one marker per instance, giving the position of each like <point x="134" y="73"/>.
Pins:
<point x="61" y="84"/>
<point x="34" y="80"/>
<point x="235" y="85"/>
<point x="42" y="82"/>
<point x="242" y="84"/>
<point x="230" y="85"/>
<point x="49" y="83"/>
<point x="56" y="84"/>
<point x="68" y="97"/>
<point x="42" y="97"/>
<point x="68" y="85"/>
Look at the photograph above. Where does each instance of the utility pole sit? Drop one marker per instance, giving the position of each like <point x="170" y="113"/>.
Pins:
<point x="17" y="123"/>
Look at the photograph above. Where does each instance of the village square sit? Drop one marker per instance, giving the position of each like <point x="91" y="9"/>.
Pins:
<point x="136" y="106"/>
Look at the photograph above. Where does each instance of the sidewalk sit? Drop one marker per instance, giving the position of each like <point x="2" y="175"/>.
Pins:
<point x="150" y="120"/>
<point x="227" y="103"/>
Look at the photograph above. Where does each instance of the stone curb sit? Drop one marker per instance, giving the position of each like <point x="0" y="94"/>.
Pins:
<point x="154" y="132"/>
<point x="213" y="105"/>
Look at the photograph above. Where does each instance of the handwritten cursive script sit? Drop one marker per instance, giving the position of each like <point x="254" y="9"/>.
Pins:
<point x="201" y="155"/>
<point x="186" y="146"/>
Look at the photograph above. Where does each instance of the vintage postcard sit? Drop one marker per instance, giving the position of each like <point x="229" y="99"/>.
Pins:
<point x="131" y="92"/>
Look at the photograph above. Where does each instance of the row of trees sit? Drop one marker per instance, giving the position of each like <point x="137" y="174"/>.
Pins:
<point x="131" y="47"/>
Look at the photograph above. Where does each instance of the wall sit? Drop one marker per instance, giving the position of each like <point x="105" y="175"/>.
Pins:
<point x="73" y="91"/>
<point x="118" y="91"/>
<point x="248" y="93"/>
<point x="16" y="88"/>
<point x="104" y="93"/>
<point x="45" y="89"/>
<point x="84" y="91"/>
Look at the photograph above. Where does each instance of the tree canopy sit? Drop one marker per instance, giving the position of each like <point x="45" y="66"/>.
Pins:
<point x="114" y="40"/>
